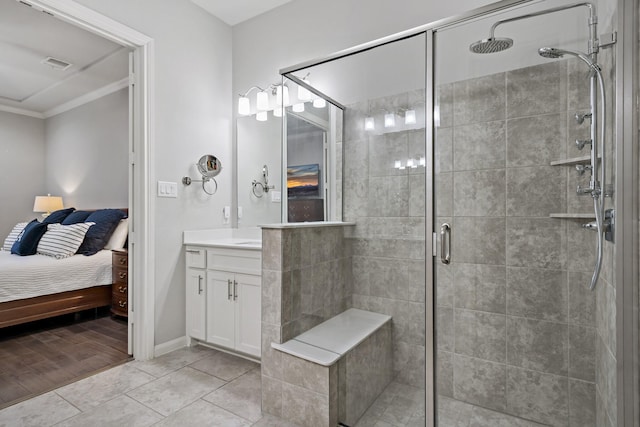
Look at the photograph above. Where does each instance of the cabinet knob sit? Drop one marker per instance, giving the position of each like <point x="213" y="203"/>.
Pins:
<point x="122" y="261"/>
<point x="122" y="274"/>
<point x="122" y="304"/>
<point x="122" y="289"/>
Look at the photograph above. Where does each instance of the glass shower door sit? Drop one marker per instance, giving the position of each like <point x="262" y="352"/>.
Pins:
<point x="516" y="327"/>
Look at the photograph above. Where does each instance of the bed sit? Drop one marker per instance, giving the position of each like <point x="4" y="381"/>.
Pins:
<point x="37" y="286"/>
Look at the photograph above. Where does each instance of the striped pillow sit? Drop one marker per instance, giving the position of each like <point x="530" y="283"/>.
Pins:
<point x="13" y="235"/>
<point x="62" y="241"/>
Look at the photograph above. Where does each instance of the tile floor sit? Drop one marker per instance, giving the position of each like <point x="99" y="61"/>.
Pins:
<point x="189" y="387"/>
<point x="199" y="386"/>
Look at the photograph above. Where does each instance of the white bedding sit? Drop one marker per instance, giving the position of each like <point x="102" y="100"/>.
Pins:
<point x="36" y="275"/>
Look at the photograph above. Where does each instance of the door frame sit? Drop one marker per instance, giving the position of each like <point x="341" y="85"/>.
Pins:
<point x="140" y="164"/>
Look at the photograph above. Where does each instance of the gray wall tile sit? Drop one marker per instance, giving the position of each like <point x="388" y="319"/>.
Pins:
<point x="480" y="287"/>
<point x="388" y="196"/>
<point x="479" y="100"/>
<point x="537" y="140"/>
<point x="478" y="240"/>
<point x="443" y="143"/>
<point x="535" y="242"/>
<point x="538" y="345"/>
<point x="582" y="352"/>
<point x="537" y="293"/>
<point x="480" y="382"/>
<point x="480" y="335"/>
<point x="479" y="146"/>
<point x="536" y="191"/>
<point x="539" y="397"/>
<point x="582" y="302"/>
<point x="537" y="90"/>
<point x="582" y="404"/>
<point x="479" y="193"/>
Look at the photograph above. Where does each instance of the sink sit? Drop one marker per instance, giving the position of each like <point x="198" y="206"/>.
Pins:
<point x="250" y="242"/>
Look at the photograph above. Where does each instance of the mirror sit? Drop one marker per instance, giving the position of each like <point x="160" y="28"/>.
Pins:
<point x="309" y="133"/>
<point x="209" y="166"/>
<point x="259" y="150"/>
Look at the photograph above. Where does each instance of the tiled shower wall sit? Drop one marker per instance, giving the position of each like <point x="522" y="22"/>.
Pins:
<point x="387" y="205"/>
<point x="517" y="327"/>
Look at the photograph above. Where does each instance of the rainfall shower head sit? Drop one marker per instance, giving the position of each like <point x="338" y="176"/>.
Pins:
<point x="491" y="45"/>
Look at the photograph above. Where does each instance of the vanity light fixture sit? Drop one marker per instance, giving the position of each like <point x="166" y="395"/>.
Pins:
<point x="369" y="123"/>
<point x="244" y="106"/>
<point x="261" y="116"/>
<point x="277" y="112"/>
<point x="410" y="117"/>
<point x="389" y="120"/>
<point x="423" y="162"/>
<point x="319" y="103"/>
<point x="299" y="107"/>
<point x="411" y="164"/>
<point x="282" y="95"/>
<point x="262" y="101"/>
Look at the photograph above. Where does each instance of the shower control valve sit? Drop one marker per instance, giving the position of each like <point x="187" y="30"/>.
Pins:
<point x="580" y="143"/>
<point x="582" y="168"/>
<point x="580" y="117"/>
<point x="593" y="190"/>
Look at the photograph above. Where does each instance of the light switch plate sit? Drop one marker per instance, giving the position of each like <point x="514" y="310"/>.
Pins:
<point x="167" y="189"/>
<point x="276" y="196"/>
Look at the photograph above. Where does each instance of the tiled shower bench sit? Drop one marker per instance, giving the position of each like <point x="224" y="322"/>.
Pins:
<point x="343" y="363"/>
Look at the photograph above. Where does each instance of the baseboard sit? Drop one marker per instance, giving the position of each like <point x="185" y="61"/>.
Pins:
<point x="169" y="346"/>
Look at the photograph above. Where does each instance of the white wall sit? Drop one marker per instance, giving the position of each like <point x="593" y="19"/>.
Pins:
<point x="308" y="29"/>
<point x="87" y="153"/>
<point x="22" y="174"/>
<point x="192" y="116"/>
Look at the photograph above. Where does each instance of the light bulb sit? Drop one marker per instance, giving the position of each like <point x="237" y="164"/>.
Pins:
<point x="303" y="93"/>
<point x="410" y="117"/>
<point x="299" y="107"/>
<point x="398" y="164"/>
<point x="261" y="116"/>
<point x="410" y="164"/>
<point x="244" y="107"/>
<point x="282" y="95"/>
<point x="262" y="101"/>
<point x="369" y="123"/>
<point x="423" y="162"/>
<point x="389" y="120"/>
<point x="319" y="103"/>
<point x="277" y="112"/>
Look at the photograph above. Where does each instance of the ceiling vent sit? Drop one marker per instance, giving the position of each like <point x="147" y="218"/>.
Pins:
<point x="58" y="64"/>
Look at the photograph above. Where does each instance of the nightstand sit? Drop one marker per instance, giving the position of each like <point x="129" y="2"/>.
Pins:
<point x="120" y="285"/>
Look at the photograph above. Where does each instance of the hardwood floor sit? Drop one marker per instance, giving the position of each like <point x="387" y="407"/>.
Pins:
<point x="43" y="355"/>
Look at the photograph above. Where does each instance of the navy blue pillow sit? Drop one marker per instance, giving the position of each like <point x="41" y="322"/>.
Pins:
<point x="58" y="216"/>
<point x="27" y="243"/>
<point x="106" y="221"/>
<point x="76" y="217"/>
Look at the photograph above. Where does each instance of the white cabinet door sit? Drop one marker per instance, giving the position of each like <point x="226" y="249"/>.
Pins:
<point x="196" y="303"/>
<point x="248" y="314"/>
<point x="220" y="308"/>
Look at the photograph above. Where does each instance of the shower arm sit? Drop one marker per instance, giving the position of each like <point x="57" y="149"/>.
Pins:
<point x="593" y="21"/>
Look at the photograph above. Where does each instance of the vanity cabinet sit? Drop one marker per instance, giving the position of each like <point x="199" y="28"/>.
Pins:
<point x="223" y="297"/>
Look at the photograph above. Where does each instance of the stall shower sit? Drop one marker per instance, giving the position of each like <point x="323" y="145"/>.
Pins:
<point x="481" y="189"/>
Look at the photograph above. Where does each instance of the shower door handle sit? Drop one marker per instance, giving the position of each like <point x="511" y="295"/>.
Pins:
<point x="445" y="243"/>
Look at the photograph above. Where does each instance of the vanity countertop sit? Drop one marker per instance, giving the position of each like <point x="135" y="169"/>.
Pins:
<point x="233" y="238"/>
